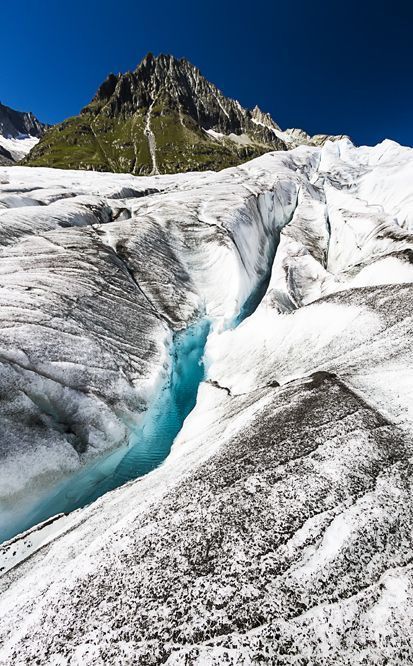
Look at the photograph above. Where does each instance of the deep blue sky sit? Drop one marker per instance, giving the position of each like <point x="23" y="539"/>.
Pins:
<point x="325" y="66"/>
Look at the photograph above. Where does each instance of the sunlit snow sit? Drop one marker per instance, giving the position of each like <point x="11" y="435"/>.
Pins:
<point x="261" y="317"/>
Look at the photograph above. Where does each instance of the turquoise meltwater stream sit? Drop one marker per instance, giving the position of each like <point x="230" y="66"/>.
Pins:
<point x="148" y="445"/>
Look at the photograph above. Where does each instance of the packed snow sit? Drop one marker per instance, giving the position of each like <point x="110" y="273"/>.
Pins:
<point x="18" y="147"/>
<point x="279" y="528"/>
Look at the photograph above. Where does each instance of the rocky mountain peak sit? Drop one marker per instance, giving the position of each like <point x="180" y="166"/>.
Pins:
<point x="262" y="118"/>
<point x="19" y="133"/>
<point x="162" y="117"/>
<point x="14" y="124"/>
<point x="176" y="85"/>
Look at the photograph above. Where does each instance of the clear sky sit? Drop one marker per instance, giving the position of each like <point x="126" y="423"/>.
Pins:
<point x="323" y="65"/>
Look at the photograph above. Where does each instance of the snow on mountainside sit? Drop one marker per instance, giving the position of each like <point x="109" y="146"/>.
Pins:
<point x="279" y="529"/>
<point x="19" y="133"/>
<point x="14" y="149"/>
<point x="292" y="138"/>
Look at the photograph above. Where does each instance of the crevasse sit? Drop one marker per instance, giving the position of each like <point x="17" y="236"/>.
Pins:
<point x="148" y="446"/>
<point x="150" y="443"/>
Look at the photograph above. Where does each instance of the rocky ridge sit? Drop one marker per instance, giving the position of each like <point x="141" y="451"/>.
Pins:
<point x="16" y="123"/>
<point x="163" y="117"/>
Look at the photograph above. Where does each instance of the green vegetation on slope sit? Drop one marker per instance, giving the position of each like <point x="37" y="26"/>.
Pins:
<point x="164" y="107"/>
<point x="96" y="141"/>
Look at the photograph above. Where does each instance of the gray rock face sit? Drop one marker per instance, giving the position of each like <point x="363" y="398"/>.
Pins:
<point x="15" y="123"/>
<point x="177" y="85"/>
<point x="19" y="133"/>
<point x="6" y="158"/>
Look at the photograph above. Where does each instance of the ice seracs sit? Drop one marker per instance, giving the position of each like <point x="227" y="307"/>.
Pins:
<point x="279" y="528"/>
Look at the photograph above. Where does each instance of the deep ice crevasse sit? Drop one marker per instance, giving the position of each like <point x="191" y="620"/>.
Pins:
<point x="261" y="210"/>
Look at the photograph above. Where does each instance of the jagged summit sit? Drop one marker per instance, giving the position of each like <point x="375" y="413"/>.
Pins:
<point x="163" y="117"/>
<point x="16" y="123"/>
<point x="177" y="85"/>
<point x="263" y="118"/>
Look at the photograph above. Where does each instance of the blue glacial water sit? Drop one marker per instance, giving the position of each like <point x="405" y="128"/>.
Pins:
<point x="148" y="445"/>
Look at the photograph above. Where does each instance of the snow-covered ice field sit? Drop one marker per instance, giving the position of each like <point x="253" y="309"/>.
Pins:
<point x="279" y="528"/>
<point x="18" y="147"/>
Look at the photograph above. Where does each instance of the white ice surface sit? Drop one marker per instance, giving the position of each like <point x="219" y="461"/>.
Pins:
<point x="338" y="302"/>
<point x="18" y="147"/>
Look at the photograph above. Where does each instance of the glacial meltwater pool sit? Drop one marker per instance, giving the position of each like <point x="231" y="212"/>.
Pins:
<point x="148" y="446"/>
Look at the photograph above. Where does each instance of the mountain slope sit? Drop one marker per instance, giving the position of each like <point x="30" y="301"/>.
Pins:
<point x="164" y="117"/>
<point x="19" y="133"/>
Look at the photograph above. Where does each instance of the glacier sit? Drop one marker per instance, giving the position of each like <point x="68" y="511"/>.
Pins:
<point x="19" y="146"/>
<point x="219" y="365"/>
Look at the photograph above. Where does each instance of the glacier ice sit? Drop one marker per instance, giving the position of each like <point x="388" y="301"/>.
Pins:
<point x="18" y="147"/>
<point x="92" y="297"/>
<point x="279" y="527"/>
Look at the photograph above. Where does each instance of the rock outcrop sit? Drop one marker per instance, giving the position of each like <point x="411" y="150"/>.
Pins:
<point x="164" y="117"/>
